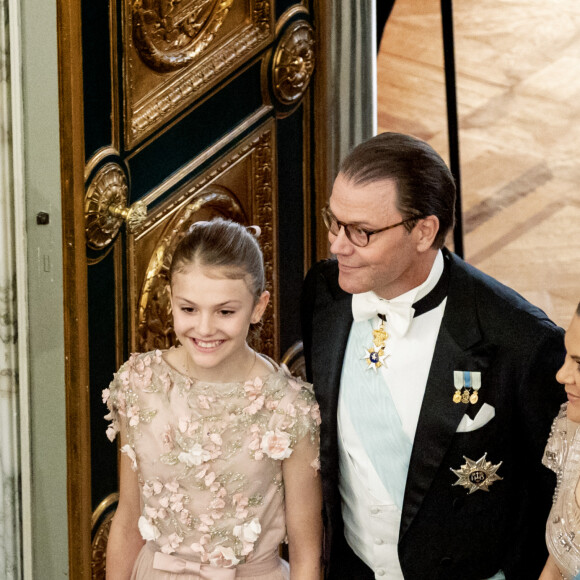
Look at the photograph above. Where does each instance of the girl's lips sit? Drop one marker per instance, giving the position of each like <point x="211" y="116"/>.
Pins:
<point x="572" y="398"/>
<point x="206" y="344"/>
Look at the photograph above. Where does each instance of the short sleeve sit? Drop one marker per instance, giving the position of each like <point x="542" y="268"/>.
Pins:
<point x="115" y="398"/>
<point x="295" y="415"/>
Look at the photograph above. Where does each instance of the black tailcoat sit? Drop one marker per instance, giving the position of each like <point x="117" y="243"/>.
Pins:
<point x="446" y="532"/>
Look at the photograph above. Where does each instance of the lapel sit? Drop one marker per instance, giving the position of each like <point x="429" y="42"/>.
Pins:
<point x="459" y="347"/>
<point x="330" y="329"/>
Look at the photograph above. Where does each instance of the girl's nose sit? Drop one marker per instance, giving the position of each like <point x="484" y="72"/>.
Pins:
<point x="206" y="325"/>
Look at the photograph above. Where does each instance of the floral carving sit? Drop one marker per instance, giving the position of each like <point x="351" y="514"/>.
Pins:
<point x="107" y="189"/>
<point x="293" y="63"/>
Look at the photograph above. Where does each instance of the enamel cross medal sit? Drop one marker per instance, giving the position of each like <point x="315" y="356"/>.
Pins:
<point x="375" y="355"/>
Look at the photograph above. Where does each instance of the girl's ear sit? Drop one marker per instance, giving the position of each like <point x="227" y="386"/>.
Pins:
<point x="260" y="307"/>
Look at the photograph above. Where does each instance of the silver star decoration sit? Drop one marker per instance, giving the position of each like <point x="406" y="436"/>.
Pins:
<point x="474" y="475"/>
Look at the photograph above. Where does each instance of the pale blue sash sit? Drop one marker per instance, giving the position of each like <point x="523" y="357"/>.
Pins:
<point x="374" y="415"/>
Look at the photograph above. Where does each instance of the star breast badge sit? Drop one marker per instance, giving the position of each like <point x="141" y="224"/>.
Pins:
<point x="474" y="475"/>
<point x="375" y="357"/>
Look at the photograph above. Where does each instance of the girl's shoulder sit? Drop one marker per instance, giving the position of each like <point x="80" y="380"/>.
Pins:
<point x="138" y="361"/>
<point x="289" y="386"/>
<point x="141" y="368"/>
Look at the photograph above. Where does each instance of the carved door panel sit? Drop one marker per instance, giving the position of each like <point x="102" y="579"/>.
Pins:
<point x="191" y="109"/>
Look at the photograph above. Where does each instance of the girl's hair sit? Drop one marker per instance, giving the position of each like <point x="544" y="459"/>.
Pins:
<point x="225" y="244"/>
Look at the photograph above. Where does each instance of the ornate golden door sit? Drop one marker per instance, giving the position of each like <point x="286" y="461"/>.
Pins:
<point x="173" y="111"/>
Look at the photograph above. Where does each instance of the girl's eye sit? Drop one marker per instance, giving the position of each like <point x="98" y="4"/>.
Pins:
<point x="226" y="312"/>
<point x="187" y="309"/>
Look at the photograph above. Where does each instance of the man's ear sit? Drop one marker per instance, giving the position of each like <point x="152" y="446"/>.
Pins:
<point x="260" y="307"/>
<point x="426" y="231"/>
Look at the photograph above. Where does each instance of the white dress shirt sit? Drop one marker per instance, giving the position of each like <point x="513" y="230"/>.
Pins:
<point x="371" y="518"/>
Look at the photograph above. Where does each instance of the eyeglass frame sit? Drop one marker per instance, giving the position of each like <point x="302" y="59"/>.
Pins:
<point x="328" y="217"/>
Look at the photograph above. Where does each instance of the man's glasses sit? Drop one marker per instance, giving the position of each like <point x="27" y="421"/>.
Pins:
<point x="356" y="235"/>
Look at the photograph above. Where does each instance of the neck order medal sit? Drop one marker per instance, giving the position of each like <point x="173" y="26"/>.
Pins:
<point x="375" y="355"/>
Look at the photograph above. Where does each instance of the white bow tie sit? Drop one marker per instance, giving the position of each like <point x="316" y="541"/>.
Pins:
<point x="399" y="314"/>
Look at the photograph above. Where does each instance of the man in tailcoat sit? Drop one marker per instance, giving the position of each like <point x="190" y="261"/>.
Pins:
<point x="435" y="382"/>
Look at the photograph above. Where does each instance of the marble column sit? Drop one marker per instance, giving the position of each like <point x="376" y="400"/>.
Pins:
<point x="10" y="564"/>
<point x="353" y="61"/>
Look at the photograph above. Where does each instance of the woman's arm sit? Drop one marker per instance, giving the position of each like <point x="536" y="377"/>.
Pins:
<point x="550" y="571"/>
<point x="303" y="501"/>
<point x="125" y="540"/>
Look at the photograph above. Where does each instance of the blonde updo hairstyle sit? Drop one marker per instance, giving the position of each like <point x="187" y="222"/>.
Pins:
<point x="226" y="245"/>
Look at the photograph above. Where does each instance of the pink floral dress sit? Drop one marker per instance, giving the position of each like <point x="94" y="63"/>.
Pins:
<point x="209" y="463"/>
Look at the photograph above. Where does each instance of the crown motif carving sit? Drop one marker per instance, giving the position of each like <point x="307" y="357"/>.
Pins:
<point x="169" y="35"/>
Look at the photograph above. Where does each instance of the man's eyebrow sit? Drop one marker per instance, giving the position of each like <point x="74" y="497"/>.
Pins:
<point x="363" y="225"/>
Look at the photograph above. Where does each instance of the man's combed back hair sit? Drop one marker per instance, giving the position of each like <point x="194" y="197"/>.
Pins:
<point x="425" y="186"/>
<point x="225" y="244"/>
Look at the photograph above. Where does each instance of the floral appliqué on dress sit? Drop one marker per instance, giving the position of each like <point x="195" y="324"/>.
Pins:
<point x="562" y="455"/>
<point x="209" y="455"/>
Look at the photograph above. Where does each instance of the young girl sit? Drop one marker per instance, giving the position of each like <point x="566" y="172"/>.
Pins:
<point x="220" y="447"/>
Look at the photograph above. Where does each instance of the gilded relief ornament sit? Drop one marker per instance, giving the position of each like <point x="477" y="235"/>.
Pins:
<point x="293" y="63"/>
<point x="174" y="51"/>
<point x="474" y="475"/>
<point x="170" y="34"/>
<point x="101" y="526"/>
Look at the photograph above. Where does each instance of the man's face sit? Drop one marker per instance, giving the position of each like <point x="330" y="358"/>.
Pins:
<point x="390" y="264"/>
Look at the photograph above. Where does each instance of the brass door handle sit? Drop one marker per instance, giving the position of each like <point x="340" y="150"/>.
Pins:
<point x="133" y="215"/>
<point x="106" y="207"/>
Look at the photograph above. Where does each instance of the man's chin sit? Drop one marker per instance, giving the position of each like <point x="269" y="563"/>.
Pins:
<point x="350" y="285"/>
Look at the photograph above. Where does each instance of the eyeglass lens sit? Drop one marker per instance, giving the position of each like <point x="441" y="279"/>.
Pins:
<point x="356" y="235"/>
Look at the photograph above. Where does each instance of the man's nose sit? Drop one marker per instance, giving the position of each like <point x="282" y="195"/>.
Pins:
<point x="339" y="243"/>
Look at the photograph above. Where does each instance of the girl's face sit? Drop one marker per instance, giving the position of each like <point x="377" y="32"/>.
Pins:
<point x="211" y="318"/>
<point x="569" y="374"/>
